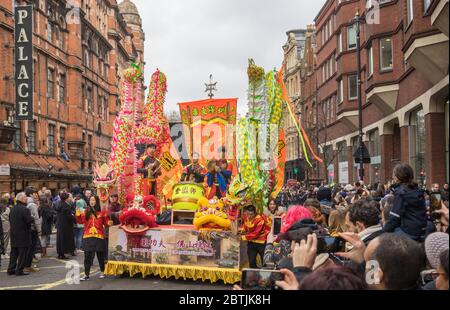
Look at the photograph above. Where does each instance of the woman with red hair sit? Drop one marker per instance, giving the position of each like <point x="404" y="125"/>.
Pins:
<point x="294" y="215"/>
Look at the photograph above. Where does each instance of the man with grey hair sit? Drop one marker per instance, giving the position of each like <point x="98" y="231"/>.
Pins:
<point x="20" y="220"/>
<point x="36" y="227"/>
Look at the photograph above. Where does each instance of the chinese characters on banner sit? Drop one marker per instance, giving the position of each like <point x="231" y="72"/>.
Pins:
<point x="177" y="247"/>
<point x="209" y="125"/>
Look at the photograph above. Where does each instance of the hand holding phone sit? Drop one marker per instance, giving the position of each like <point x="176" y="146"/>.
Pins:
<point x="276" y="225"/>
<point x="260" y="279"/>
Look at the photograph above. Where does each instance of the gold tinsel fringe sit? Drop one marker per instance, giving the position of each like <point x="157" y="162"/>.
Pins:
<point x="228" y="276"/>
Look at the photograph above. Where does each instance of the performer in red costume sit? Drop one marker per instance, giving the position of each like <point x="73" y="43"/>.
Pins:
<point x="95" y="224"/>
<point x="254" y="230"/>
<point x="150" y="168"/>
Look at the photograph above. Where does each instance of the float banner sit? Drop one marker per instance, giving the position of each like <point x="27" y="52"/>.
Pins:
<point x="176" y="247"/>
<point x="23" y="37"/>
<point x="171" y="169"/>
<point x="209" y="125"/>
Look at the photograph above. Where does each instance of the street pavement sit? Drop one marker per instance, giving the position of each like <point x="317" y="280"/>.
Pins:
<point x="53" y="272"/>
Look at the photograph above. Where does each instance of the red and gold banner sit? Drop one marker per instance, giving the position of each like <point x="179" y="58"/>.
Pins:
<point x="171" y="169"/>
<point x="208" y="125"/>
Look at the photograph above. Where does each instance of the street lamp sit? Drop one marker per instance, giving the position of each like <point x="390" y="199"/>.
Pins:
<point x="362" y="155"/>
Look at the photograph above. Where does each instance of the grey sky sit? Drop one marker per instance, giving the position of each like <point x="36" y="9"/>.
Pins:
<point x="190" y="39"/>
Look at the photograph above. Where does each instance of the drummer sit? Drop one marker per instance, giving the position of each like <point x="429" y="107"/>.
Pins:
<point x="194" y="172"/>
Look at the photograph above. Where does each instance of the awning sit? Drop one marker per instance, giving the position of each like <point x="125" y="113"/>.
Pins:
<point x="45" y="173"/>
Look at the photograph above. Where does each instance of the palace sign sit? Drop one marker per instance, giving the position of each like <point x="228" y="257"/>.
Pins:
<point x="24" y="62"/>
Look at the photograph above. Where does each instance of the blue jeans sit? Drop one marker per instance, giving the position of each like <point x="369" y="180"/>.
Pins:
<point x="78" y="233"/>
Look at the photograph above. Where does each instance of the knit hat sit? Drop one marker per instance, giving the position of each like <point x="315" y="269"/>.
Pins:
<point x="435" y="244"/>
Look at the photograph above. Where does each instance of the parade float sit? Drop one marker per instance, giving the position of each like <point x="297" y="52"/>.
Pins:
<point x="206" y="246"/>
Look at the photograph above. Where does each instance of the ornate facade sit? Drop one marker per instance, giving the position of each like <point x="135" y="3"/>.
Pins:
<point x="80" y="50"/>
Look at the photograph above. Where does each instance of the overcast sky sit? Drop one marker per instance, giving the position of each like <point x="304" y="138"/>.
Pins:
<point x="190" y="39"/>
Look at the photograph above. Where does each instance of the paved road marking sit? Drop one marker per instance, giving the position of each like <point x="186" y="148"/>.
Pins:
<point x="49" y="286"/>
<point x="19" y="287"/>
<point x="40" y="268"/>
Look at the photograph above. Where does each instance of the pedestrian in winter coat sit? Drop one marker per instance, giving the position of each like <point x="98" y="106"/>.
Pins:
<point x="65" y="219"/>
<point x="409" y="214"/>
<point x="47" y="215"/>
<point x="20" y="220"/>
<point x="5" y="208"/>
<point x="33" y="197"/>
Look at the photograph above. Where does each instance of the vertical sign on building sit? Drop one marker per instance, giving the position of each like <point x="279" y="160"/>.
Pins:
<point x="23" y="36"/>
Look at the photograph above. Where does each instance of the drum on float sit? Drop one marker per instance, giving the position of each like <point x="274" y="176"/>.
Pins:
<point x="186" y="195"/>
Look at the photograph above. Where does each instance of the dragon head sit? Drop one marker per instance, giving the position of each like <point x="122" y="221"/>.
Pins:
<point x="238" y="193"/>
<point x="103" y="181"/>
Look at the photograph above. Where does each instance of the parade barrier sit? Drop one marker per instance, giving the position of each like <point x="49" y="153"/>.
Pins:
<point x="181" y="253"/>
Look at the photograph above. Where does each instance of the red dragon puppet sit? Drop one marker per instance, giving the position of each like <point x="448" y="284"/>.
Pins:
<point x="140" y="215"/>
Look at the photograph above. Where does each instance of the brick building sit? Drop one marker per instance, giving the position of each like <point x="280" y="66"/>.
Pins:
<point x="404" y="89"/>
<point x="78" y="59"/>
<point x="293" y="53"/>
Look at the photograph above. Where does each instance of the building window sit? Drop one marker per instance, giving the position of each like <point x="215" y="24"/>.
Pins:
<point x="61" y="39"/>
<point x="426" y="5"/>
<point x="370" y="61"/>
<point x="18" y="136"/>
<point x="352" y="87"/>
<point x="386" y="54"/>
<point x="341" y="91"/>
<point x="90" y="152"/>
<point x="49" y="31"/>
<point x="330" y="26"/>
<point x="409" y="11"/>
<point x="340" y="42"/>
<point x="375" y="152"/>
<point x="51" y="139"/>
<point x="417" y="144"/>
<point x="62" y="139"/>
<point x="106" y="110"/>
<point x="83" y="138"/>
<point x="88" y="99"/>
<point x="99" y="105"/>
<point x="31" y="139"/>
<point x="62" y="88"/>
<point x="351" y="37"/>
<point x="51" y="83"/>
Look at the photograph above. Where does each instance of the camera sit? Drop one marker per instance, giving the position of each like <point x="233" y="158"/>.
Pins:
<point x="329" y="244"/>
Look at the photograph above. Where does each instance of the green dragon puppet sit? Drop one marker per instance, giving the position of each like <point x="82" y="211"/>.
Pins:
<point x="257" y="161"/>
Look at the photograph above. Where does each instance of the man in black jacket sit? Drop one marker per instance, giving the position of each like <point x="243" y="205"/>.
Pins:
<point x="20" y="219"/>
